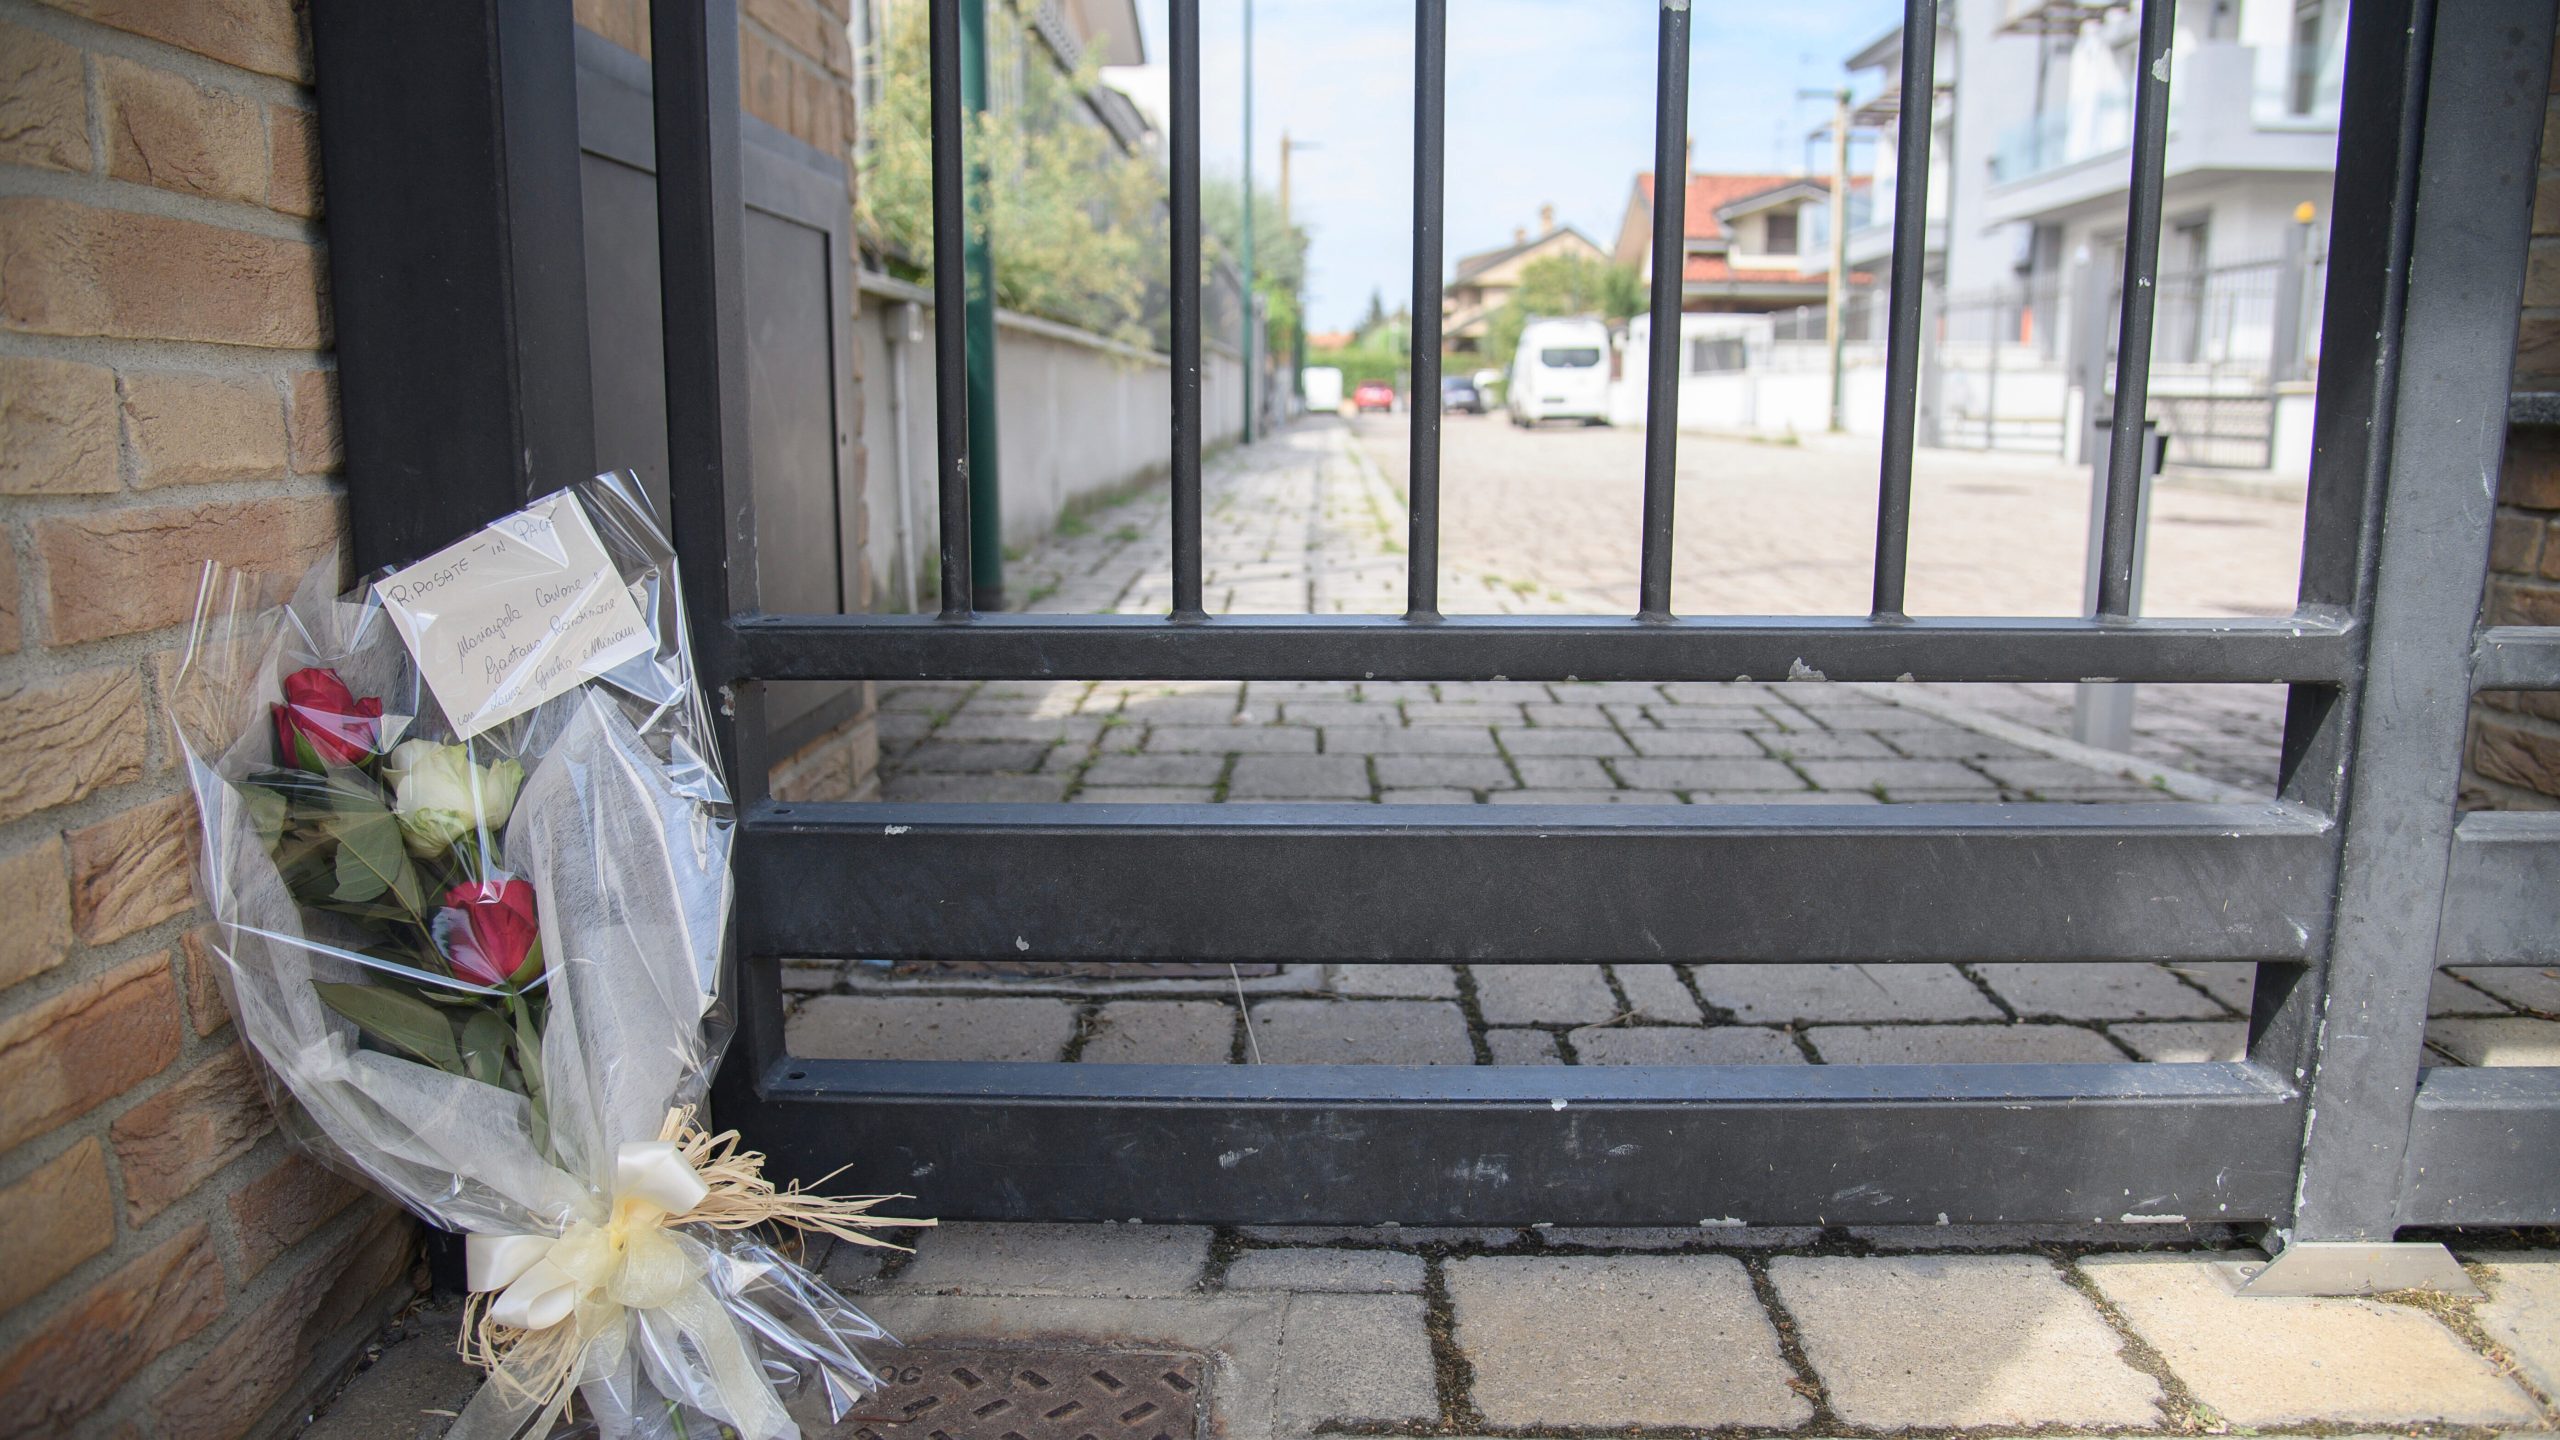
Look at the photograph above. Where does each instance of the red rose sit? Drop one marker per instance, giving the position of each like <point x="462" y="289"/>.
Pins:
<point x="488" y="932"/>
<point x="322" y="723"/>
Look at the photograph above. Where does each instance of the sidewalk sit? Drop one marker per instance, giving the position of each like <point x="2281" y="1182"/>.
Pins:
<point x="1049" y="1332"/>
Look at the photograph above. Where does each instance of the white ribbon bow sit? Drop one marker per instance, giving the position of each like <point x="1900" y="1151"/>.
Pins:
<point x="541" y="1278"/>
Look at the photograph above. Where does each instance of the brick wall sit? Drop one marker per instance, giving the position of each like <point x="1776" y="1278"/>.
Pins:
<point x="2512" y="761"/>
<point x="795" y="73"/>
<point x="165" y="399"/>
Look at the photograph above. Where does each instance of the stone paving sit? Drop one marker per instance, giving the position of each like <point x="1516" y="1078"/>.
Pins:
<point x="1742" y="1333"/>
<point x="1715" y="1331"/>
<point x="1433" y="1014"/>
<point x="1309" y="522"/>
<point x="1790" y="530"/>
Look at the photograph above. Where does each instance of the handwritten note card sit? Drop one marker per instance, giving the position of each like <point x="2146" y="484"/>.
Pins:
<point x="515" y="614"/>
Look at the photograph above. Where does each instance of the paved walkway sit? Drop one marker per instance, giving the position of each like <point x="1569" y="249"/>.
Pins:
<point x="1790" y="530"/>
<point x="1311" y="521"/>
<point x="1184" y="1333"/>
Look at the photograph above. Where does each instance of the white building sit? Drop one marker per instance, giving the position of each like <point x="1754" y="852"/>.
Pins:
<point x="2253" y="128"/>
<point x="2029" y="177"/>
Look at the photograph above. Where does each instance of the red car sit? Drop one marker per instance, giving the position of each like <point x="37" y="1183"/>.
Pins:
<point x="1373" y="395"/>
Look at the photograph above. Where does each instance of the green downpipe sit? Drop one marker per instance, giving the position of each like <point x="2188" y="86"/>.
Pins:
<point x="986" y="508"/>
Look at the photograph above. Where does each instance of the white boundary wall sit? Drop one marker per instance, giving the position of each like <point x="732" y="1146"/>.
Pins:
<point x="1080" y="415"/>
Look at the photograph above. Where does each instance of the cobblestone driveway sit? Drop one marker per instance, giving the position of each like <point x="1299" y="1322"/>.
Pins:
<point x="1310" y="522"/>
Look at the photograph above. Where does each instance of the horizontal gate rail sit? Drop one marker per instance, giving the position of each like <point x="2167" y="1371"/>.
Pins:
<point x="2481" y="1148"/>
<point x="2499" y="897"/>
<point x="2307" y="650"/>
<point x="2516" y="657"/>
<point x="1770" y="882"/>
<point x="1346" y="1144"/>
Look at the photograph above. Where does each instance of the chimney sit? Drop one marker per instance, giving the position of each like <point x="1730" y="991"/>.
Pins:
<point x="1547" y="219"/>
<point x="1688" y="156"/>
<point x="1519" y="234"/>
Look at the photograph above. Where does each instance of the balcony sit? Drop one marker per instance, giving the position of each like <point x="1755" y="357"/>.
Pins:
<point x="2229" y="111"/>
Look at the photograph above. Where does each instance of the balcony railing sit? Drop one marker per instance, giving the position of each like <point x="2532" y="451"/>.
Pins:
<point x="2221" y="95"/>
<point x="2055" y="138"/>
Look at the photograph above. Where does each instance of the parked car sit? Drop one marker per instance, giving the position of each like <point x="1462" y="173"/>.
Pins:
<point x="1373" y="395"/>
<point x="1560" y="372"/>
<point x="1459" y="396"/>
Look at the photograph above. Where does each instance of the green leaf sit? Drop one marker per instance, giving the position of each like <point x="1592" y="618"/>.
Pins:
<point x="528" y="1042"/>
<point x="361" y="909"/>
<point x="404" y="1022"/>
<point x="318" y="797"/>
<point x="371" y="858"/>
<point x="265" y="811"/>
<point x="483" y="1039"/>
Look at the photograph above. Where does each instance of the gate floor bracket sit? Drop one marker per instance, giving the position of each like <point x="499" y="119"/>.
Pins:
<point x="2356" y="1267"/>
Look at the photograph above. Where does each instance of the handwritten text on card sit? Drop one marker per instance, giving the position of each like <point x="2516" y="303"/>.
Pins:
<point x="514" y="614"/>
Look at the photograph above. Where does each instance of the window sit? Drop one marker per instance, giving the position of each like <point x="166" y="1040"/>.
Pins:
<point x="2310" y="26"/>
<point x="1717" y="355"/>
<point x="1569" y="357"/>
<point x="863" y="32"/>
<point x="1781" y="227"/>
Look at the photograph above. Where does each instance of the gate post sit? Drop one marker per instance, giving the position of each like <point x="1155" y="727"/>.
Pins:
<point x="2429" y="259"/>
<point x="457" y="263"/>
<point x="702" y="282"/>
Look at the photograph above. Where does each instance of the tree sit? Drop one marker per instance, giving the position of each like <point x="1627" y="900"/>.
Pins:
<point x="1076" y="224"/>
<point x="1560" y="286"/>
<point x="1279" y="251"/>
<point x="1375" y="317"/>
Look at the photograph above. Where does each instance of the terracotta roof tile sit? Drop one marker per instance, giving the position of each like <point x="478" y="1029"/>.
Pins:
<point x="1707" y="192"/>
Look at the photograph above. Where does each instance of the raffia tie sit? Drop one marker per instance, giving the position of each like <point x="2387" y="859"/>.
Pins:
<point x="539" y="1302"/>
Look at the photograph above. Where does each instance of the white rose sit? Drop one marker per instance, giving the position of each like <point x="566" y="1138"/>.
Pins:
<point x="441" y="796"/>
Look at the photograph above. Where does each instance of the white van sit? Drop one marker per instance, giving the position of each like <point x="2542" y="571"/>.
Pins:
<point x="1560" y="372"/>
<point x="1322" y="385"/>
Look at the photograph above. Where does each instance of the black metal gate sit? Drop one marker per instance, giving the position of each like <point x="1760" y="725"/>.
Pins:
<point x="2346" y="891"/>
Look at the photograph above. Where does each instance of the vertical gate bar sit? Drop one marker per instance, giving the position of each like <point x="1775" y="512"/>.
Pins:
<point x="1909" y="281"/>
<point x="702" y="286"/>
<point x="1183" y="24"/>
<point x="2482" y="78"/>
<point x="1670" y="254"/>
<point x="2141" y="283"/>
<point x="950" y="309"/>
<point x="1430" y="121"/>
<point x="711" y="497"/>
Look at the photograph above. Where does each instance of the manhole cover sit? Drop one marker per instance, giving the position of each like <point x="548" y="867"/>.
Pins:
<point x="938" y="1393"/>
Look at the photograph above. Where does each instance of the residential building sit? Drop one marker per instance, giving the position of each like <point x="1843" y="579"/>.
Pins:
<point x="1753" y="243"/>
<point x="1069" y="31"/>
<point x="1876" y="73"/>
<point x="2253" y="125"/>
<point x="1484" y="280"/>
<point x="2028" y="184"/>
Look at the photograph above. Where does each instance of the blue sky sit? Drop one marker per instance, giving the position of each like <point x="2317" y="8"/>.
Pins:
<point x="1549" y="101"/>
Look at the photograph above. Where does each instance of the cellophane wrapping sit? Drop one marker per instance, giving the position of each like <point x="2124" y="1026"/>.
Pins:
<point x="620" y="826"/>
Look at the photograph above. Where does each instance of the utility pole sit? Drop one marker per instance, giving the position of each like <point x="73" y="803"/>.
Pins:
<point x="1246" y="309"/>
<point x="1835" y="287"/>
<point x="1839" y="255"/>
<point x="1285" y="147"/>
<point x="986" y="509"/>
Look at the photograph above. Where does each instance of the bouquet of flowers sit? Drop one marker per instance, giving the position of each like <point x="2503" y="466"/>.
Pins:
<point x="466" y="848"/>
